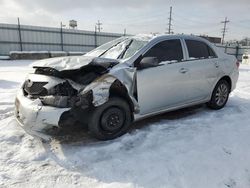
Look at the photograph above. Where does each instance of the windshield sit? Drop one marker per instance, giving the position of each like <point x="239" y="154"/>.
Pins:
<point x="120" y="48"/>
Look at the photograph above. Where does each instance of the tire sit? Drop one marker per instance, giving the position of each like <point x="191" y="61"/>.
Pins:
<point x="220" y="95"/>
<point x="110" y="120"/>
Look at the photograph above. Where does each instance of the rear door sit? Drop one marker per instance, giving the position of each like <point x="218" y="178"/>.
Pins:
<point x="204" y="69"/>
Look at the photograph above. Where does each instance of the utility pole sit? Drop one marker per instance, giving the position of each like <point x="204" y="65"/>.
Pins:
<point x="170" y="21"/>
<point x="224" y="30"/>
<point x="98" y="24"/>
<point x="125" y="32"/>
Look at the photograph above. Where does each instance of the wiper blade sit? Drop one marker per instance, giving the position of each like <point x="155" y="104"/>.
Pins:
<point x="125" y="49"/>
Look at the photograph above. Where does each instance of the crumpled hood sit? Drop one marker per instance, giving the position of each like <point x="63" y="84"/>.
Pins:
<point x="74" y="62"/>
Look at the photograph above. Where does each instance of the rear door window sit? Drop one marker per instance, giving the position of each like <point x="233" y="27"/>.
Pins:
<point x="199" y="50"/>
<point x="168" y="50"/>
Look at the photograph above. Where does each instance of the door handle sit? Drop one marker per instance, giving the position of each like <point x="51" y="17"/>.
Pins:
<point x="216" y="64"/>
<point x="183" y="70"/>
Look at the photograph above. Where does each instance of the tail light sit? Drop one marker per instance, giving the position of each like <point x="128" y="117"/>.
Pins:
<point x="238" y="64"/>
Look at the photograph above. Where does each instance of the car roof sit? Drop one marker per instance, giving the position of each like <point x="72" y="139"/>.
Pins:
<point x="152" y="37"/>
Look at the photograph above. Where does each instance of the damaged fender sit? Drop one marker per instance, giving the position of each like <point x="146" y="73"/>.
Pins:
<point x="101" y="87"/>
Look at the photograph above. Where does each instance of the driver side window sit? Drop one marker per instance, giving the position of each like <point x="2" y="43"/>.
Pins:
<point x="169" y="50"/>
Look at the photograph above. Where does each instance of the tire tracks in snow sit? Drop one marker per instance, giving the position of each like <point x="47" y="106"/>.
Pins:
<point x="6" y="111"/>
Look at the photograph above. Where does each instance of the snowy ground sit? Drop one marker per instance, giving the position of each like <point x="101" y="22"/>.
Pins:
<point x="190" y="148"/>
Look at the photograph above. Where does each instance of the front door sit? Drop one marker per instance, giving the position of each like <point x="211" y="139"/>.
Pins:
<point x="165" y="85"/>
<point x="162" y="87"/>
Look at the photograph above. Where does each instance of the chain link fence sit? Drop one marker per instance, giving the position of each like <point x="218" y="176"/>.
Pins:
<point x="16" y="37"/>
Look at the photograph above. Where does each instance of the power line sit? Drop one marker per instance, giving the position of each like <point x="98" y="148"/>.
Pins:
<point x="149" y="16"/>
<point x="170" y="21"/>
<point x="240" y="24"/>
<point x="191" y="22"/>
<point x="224" y="29"/>
<point x="193" y="19"/>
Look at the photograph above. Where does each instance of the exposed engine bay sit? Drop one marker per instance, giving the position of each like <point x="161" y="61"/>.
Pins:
<point x="65" y="93"/>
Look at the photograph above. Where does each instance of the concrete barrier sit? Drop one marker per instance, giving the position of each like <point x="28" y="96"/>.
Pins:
<point x="76" y="53"/>
<point x="58" y="53"/>
<point x="4" y="57"/>
<point x="14" y="55"/>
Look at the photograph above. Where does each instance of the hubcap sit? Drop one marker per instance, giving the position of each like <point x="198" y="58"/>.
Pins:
<point x="221" y="95"/>
<point x="112" y="120"/>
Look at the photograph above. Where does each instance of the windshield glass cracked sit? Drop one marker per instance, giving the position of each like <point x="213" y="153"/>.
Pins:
<point x="121" y="48"/>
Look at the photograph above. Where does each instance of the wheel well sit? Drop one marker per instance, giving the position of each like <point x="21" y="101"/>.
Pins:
<point x="228" y="80"/>
<point x="119" y="90"/>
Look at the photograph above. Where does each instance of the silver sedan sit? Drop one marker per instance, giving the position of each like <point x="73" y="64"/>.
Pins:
<point x="125" y="80"/>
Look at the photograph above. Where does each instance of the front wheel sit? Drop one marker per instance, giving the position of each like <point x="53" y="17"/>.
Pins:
<point x="220" y="95"/>
<point x="110" y="120"/>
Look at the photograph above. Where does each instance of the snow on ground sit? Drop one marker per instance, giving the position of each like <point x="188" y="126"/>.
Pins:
<point x="190" y="148"/>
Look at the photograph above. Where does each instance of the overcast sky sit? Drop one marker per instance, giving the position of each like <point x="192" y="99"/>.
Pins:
<point x="137" y="16"/>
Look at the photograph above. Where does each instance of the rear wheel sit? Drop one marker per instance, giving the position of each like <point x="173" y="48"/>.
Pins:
<point x="220" y="95"/>
<point x="110" y="120"/>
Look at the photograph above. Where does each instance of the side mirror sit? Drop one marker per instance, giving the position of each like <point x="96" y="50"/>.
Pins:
<point x="147" y="62"/>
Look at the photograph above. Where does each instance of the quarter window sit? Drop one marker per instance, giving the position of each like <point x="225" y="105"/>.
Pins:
<point x="168" y="50"/>
<point x="211" y="52"/>
<point x="198" y="49"/>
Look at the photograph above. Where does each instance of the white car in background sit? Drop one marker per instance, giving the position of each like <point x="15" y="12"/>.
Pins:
<point x="246" y="59"/>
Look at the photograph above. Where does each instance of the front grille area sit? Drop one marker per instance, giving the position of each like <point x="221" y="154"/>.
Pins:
<point x="34" y="88"/>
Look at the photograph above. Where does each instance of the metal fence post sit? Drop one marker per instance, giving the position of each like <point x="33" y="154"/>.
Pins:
<point x="61" y="32"/>
<point x="19" y="33"/>
<point x="226" y="48"/>
<point x="95" y="36"/>
<point x="237" y="50"/>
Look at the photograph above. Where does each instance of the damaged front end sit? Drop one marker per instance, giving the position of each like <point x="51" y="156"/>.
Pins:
<point x="61" y="96"/>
